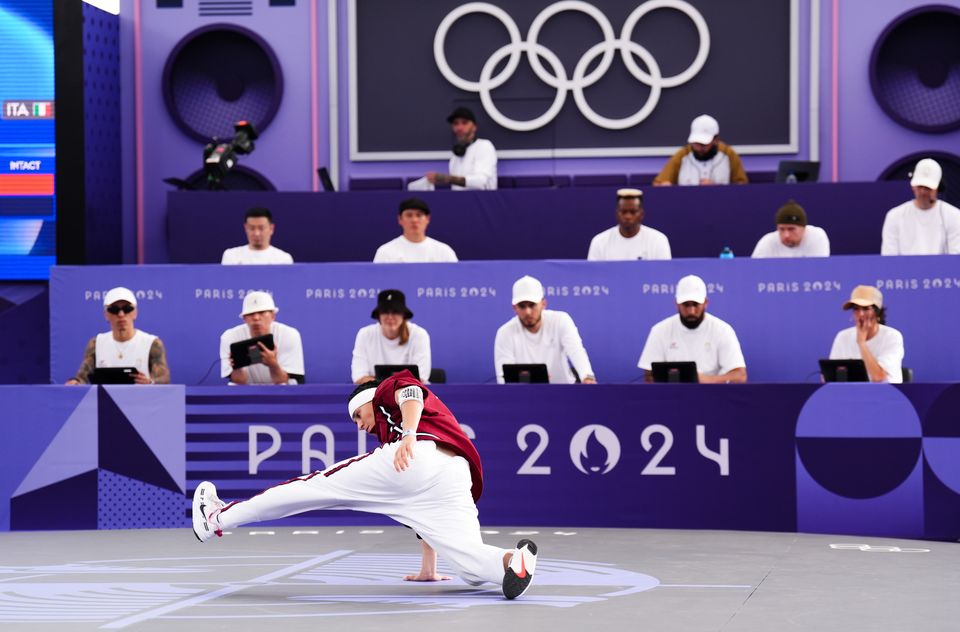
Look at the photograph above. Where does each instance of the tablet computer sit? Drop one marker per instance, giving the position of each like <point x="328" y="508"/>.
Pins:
<point x="247" y="352"/>
<point x="113" y="375"/>
<point x="525" y="374"/>
<point x="674" y="372"/>
<point x="383" y="371"/>
<point x="848" y="370"/>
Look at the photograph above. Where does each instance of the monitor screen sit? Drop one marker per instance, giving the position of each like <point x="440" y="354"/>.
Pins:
<point x="27" y="147"/>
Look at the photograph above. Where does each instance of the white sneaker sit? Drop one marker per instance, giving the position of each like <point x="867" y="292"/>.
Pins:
<point x="206" y="506"/>
<point x="519" y="573"/>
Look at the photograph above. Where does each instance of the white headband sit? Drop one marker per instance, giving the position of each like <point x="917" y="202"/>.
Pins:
<point x="359" y="400"/>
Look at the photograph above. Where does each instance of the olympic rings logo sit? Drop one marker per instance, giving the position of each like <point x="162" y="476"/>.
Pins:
<point x="581" y="79"/>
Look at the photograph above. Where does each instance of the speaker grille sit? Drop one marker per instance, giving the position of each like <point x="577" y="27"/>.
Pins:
<point x="220" y="74"/>
<point x="915" y="69"/>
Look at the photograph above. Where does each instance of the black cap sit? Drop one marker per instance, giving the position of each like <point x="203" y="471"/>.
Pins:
<point x="462" y="113"/>
<point x="791" y="213"/>
<point x="413" y="204"/>
<point x="391" y="301"/>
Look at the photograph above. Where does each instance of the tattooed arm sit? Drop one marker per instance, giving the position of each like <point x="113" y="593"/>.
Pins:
<point x="88" y="364"/>
<point x="159" y="371"/>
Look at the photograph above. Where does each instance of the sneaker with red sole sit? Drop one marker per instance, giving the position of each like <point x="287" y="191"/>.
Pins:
<point x="519" y="573"/>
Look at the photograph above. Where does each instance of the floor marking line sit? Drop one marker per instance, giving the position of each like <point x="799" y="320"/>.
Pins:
<point x="220" y="592"/>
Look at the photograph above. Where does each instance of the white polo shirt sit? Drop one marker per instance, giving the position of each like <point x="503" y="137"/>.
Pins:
<point x="713" y="345"/>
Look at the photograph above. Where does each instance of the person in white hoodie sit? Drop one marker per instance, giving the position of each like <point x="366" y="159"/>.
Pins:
<point x="925" y="225"/>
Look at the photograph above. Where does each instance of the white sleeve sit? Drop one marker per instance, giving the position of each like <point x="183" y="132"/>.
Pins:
<point x="450" y="255"/>
<point x="651" y="351"/>
<point x="227" y="259"/>
<point x="381" y="255"/>
<point x="290" y="351"/>
<point x="420" y="354"/>
<point x="287" y="257"/>
<point x="822" y="245"/>
<point x="891" y="360"/>
<point x="225" y="368"/>
<point x="758" y="250"/>
<point x="502" y="352"/>
<point x="890" y="244"/>
<point x="836" y="349"/>
<point x="484" y="175"/>
<point x="951" y="222"/>
<point x="420" y="184"/>
<point x="663" y="250"/>
<point x="572" y="346"/>
<point x="729" y="354"/>
<point x="594" y="252"/>
<point x="361" y="364"/>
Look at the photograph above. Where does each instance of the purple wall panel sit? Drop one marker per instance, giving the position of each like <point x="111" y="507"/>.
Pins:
<point x="783" y="457"/>
<point x="868" y="140"/>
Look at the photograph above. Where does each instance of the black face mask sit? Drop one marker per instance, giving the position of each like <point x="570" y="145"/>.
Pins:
<point x="706" y="156"/>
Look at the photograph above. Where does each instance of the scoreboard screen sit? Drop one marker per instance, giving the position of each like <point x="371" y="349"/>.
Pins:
<point x="27" y="146"/>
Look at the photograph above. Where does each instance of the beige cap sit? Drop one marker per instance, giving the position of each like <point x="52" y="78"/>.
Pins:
<point x="703" y="129"/>
<point x="258" y="302"/>
<point x="691" y="288"/>
<point x="629" y="193"/>
<point x="865" y="296"/>
<point x="927" y="173"/>
<point x="119" y="294"/>
<point x="527" y="289"/>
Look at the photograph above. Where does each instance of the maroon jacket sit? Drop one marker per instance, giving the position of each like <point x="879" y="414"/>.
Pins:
<point x="437" y="424"/>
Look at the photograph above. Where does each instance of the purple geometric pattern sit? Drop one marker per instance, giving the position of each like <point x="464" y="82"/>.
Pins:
<point x="97" y="457"/>
<point x="126" y="503"/>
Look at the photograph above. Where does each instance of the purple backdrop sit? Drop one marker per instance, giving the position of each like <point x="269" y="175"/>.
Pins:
<point x="527" y="223"/>
<point x="843" y="458"/>
<point x="786" y="312"/>
<point x="868" y="140"/>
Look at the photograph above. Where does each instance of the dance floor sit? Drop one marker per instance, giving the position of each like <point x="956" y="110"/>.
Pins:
<point x="339" y="578"/>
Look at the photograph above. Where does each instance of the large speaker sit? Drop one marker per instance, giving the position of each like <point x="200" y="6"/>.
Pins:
<point x="219" y="74"/>
<point x="915" y="69"/>
<point x="206" y="65"/>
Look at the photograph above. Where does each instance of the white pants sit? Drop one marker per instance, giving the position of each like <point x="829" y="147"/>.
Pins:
<point x="432" y="497"/>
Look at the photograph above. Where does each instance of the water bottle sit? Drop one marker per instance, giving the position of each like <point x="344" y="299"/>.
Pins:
<point x="791" y="178"/>
<point x="726" y="253"/>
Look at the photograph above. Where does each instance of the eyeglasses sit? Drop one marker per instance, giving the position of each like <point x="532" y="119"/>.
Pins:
<point x="116" y="309"/>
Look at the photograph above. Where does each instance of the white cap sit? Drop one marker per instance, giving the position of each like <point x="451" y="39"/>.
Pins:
<point x="527" y="289"/>
<point x="258" y="302"/>
<point x="703" y="129"/>
<point x="119" y="294"/>
<point x="629" y="193"/>
<point x="927" y="173"/>
<point x="691" y="288"/>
